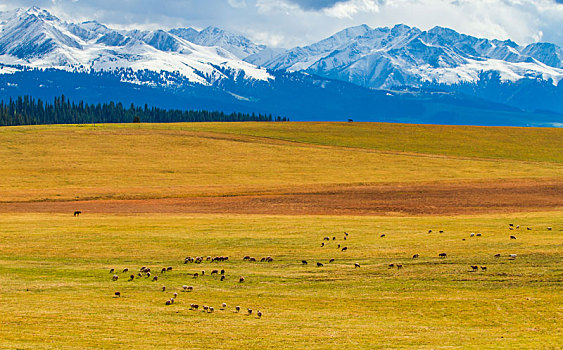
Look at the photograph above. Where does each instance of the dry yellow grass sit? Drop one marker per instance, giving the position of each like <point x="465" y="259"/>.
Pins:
<point x="153" y="161"/>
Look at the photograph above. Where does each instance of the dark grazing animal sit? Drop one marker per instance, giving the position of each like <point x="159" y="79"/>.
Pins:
<point x="222" y="272"/>
<point x="399" y="266"/>
<point x="215" y="272"/>
<point x="484" y="268"/>
<point x="304" y="262"/>
<point x="344" y="249"/>
<point x="442" y="255"/>
<point x="383" y="235"/>
<point x="497" y="255"/>
<point x="356" y="265"/>
<point x="118" y="294"/>
<point x="416" y="256"/>
<point x="319" y="264"/>
<point x="474" y="268"/>
<point x="77" y="213"/>
<point x="241" y="279"/>
<point x="331" y="261"/>
<point x="512" y="237"/>
<point x="223" y="278"/>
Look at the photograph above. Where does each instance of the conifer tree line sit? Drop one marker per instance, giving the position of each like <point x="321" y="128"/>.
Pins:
<point x="26" y="110"/>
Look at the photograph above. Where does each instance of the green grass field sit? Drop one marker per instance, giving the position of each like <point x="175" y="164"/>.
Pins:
<point x="56" y="289"/>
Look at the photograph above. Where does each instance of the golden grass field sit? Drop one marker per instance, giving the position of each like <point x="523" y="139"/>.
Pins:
<point x="152" y="195"/>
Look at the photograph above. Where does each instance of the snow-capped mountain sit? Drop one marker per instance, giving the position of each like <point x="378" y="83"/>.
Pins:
<point x="35" y="38"/>
<point x="236" y="44"/>
<point x="435" y="76"/>
<point x="406" y="56"/>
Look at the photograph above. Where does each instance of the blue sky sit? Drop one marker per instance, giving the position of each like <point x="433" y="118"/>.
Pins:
<point x="287" y="23"/>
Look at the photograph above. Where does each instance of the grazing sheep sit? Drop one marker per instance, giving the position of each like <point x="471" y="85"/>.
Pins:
<point x="132" y="277"/>
<point x="512" y="256"/>
<point x="111" y="270"/>
<point x="326" y="239"/>
<point x="77" y="213"/>
<point x="224" y="305"/>
<point x="175" y="295"/>
<point x="331" y="261"/>
<point x="479" y="235"/>
<point x="528" y="228"/>
<point x="203" y="272"/>
<point x="140" y="274"/>
<point x="250" y="311"/>
<point x="383" y="235"/>
<point x="344" y="237"/>
<point x="142" y="269"/>
<point x="241" y="279"/>
<point x="168" y="302"/>
<point x="344" y="249"/>
<point x="463" y="239"/>
<point x="237" y="308"/>
<point x="222" y="272"/>
<point x="511" y="225"/>
<point x="211" y="309"/>
<point x="322" y="244"/>
<point x="399" y="266"/>
<point x="118" y="294"/>
<point x="269" y="259"/>
<point x="223" y="278"/>
<point x="194" y="306"/>
<point x="115" y="277"/>
<point x="208" y="258"/>
<point x="163" y="270"/>
<point x="169" y="268"/>
<point x="416" y="256"/>
<point x="246" y="258"/>
<point x="391" y="266"/>
<point x="549" y="228"/>
<point x="125" y="270"/>
<point x="356" y="265"/>
<point x="148" y="274"/>
<point x="517" y="226"/>
<point x="429" y="231"/>
<point x="497" y="255"/>
<point x="155" y="278"/>
<point x="252" y="259"/>
<point x="483" y="268"/>
<point x="319" y="264"/>
<point x="196" y="275"/>
<point x="338" y="247"/>
<point x="259" y="313"/>
<point x="512" y="237"/>
<point x="304" y="262"/>
<point x="441" y="231"/>
<point x="164" y="288"/>
<point x="186" y="288"/>
<point x="334" y="238"/>
<point x="474" y="268"/>
<point x="442" y="255"/>
<point x="214" y="272"/>
<point x="205" y="308"/>
<point x="511" y="228"/>
<point x="472" y="234"/>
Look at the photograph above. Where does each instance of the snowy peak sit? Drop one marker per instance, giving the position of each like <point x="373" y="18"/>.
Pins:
<point x="36" y="38"/>
<point x="406" y="56"/>
<point x="236" y="44"/>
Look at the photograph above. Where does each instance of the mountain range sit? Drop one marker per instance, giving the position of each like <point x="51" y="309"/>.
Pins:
<point x="449" y="76"/>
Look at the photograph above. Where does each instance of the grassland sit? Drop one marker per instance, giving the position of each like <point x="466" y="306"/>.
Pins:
<point x="56" y="290"/>
<point x="175" y="160"/>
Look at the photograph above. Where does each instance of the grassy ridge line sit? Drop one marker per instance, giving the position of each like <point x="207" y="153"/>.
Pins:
<point x="527" y="144"/>
<point x="136" y="161"/>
